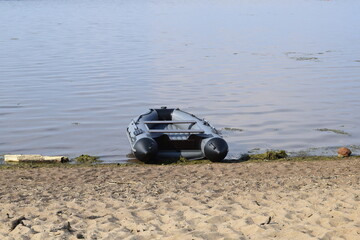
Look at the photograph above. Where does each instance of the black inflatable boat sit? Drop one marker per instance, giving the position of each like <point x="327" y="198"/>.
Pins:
<point x="172" y="133"/>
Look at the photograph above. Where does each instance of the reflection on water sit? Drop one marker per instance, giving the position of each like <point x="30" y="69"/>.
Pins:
<point x="73" y="73"/>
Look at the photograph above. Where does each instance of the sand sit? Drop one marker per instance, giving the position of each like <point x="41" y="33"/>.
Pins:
<point x="251" y="200"/>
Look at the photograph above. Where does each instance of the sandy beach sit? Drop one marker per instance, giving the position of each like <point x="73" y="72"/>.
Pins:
<point x="250" y="200"/>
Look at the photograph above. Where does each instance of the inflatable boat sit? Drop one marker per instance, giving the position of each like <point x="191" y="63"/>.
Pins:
<point x="172" y="133"/>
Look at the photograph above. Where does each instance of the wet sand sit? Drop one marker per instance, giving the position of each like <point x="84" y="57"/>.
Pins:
<point x="251" y="200"/>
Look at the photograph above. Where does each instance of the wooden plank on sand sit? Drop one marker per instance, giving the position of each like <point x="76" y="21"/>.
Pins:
<point x="34" y="158"/>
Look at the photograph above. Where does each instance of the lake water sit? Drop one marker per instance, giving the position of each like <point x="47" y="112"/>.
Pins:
<point x="74" y="73"/>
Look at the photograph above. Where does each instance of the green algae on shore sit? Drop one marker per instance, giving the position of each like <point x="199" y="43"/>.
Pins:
<point x="84" y="158"/>
<point x="181" y="161"/>
<point x="269" y="155"/>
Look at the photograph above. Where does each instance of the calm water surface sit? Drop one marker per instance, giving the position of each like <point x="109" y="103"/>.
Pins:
<point x="74" y="73"/>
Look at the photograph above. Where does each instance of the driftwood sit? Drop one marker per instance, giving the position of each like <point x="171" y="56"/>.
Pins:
<point x="34" y="158"/>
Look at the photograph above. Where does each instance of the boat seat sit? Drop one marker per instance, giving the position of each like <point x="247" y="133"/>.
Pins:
<point x="171" y="128"/>
<point x="176" y="136"/>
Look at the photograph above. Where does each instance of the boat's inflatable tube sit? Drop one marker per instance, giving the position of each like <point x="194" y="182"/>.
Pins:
<point x="214" y="149"/>
<point x="146" y="149"/>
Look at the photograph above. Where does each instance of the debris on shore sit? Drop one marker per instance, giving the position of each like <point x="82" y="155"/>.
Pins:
<point x="34" y="158"/>
<point x="344" y="152"/>
<point x="84" y="158"/>
<point x="269" y="155"/>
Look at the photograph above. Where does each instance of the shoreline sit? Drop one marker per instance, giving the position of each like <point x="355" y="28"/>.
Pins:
<point x="134" y="162"/>
<point x="249" y="200"/>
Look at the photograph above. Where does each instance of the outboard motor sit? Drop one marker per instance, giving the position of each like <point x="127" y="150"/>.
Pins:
<point x="214" y="149"/>
<point x="146" y="149"/>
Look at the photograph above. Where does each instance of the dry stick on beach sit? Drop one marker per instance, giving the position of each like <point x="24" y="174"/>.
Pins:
<point x="16" y="222"/>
